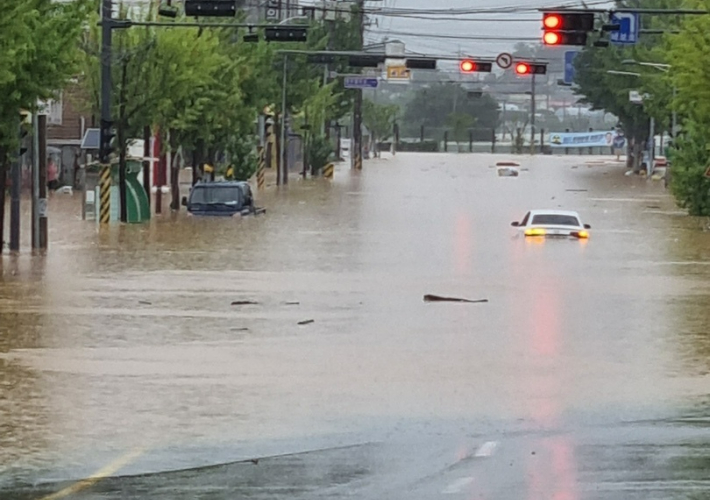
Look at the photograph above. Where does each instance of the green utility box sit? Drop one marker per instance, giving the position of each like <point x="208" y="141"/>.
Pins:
<point x="138" y="205"/>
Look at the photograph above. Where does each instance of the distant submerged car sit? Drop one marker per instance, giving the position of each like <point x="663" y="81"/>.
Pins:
<point x="222" y="199"/>
<point x="560" y="223"/>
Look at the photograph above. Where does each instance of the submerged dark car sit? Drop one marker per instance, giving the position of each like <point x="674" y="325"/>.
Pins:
<point x="224" y="199"/>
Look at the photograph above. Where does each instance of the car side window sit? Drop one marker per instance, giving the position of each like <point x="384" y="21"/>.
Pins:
<point x="525" y="219"/>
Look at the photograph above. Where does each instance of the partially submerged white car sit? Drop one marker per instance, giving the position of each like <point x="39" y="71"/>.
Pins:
<point x="560" y="223"/>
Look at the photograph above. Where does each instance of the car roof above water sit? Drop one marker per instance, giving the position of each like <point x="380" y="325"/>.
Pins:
<point x="554" y="212"/>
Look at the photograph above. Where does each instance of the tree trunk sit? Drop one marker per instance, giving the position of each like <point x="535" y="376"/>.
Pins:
<point x="174" y="173"/>
<point x="3" y="181"/>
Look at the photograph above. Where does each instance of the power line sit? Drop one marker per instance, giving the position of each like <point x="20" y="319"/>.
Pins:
<point x="458" y="37"/>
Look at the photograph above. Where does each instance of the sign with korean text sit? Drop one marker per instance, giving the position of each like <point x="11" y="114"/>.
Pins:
<point x="582" y="139"/>
<point x="359" y="82"/>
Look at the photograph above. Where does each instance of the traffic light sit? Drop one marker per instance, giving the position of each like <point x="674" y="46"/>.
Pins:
<point x="524" y="68"/>
<point x="421" y="63"/>
<point x="105" y="142"/>
<point x="320" y="58"/>
<point x="286" y="34"/>
<point x="365" y="61"/>
<point x="25" y="124"/>
<point x="471" y="66"/>
<point x="210" y="8"/>
<point x="566" y="28"/>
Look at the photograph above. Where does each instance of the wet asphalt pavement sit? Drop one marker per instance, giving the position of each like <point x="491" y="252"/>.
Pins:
<point x="585" y="376"/>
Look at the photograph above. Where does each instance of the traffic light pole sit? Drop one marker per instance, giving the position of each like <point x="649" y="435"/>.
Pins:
<point x="356" y="147"/>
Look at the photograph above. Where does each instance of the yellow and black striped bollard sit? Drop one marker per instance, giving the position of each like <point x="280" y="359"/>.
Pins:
<point x="328" y="171"/>
<point x="260" y="170"/>
<point x="105" y="195"/>
<point x="358" y="162"/>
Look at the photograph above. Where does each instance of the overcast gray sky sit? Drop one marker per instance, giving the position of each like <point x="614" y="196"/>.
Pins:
<point x="425" y="35"/>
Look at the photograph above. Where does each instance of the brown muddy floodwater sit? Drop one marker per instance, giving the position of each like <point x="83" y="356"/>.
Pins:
<point x="127" y="339"/>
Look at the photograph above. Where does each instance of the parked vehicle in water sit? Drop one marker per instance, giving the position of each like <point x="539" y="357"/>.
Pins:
<point x="222" y="199"/>
<point x="560" y="223"/>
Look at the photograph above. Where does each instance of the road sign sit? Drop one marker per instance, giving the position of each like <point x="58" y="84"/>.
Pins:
<point x="504" y="60"/>
<point x="273" y="10"/>
<point x="360" y="82"/>
<point x="569" y="66"/>
<point x="398" y="73"/>
<point x="629" y="25"/>
<point x="636" y="97"/>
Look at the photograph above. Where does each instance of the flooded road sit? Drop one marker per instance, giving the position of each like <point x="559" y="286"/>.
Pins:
<point x="586" y="375"/>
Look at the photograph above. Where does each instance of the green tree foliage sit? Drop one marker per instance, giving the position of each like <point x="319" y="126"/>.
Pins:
<point x="460" y="123"/>
<point x="689" y="53"/>
<point x="379" y="119"/>
<point x="432" y="106"/>
<point x="38" y="55"/>
<point x="319" y="151"/>
<point x="610" y="92"/>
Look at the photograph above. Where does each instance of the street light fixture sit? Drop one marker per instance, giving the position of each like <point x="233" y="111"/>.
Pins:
<point x="659" y="66"/>
<point x="624" y="73"/>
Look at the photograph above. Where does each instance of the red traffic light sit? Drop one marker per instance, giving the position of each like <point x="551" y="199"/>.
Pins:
<point x="467" y="66"/>
<point x="471" y="66"/>
<point x="551" y="38"/>
<point x="522" y="69"/>
<point x="552" y="21"/>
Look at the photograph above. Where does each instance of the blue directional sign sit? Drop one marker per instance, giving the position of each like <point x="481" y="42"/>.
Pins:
<point x="629" y="25"/>
<point x="360" y="82"/>
<point x="569" y="66"/>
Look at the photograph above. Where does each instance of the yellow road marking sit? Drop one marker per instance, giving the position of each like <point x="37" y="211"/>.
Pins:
<point x="107" y="471"/>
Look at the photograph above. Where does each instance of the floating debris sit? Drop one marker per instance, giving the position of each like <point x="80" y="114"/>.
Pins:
<point x="437" y="298"/>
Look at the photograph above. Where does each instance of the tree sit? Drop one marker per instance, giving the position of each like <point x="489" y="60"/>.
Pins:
<point x="38" y="57"/>
<point x="610" y="92"/>
<point x="460" y="123"/>
<point x="379" y="120"/>
<point x="689" y="52"/>
<point x="432" y="106"/>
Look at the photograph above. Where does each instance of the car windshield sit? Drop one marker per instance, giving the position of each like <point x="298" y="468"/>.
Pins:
<point x="216" y="195"/>
<point x="555" y="220"/>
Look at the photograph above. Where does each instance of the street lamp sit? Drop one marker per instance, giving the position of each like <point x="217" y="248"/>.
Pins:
<point x="659" y="66"/>
<point x="624" y="73"/>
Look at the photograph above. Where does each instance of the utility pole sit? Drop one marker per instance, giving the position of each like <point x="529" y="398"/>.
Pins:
<point x="105" y="141"/>
<point x="283" y="167"/>
<point x="532" y="116"/>
<point x="146" y="162"/>
<point x="356" y="147"/>
<point x="16" y="179"/>
<point x="42" y="201"/>
<point x="35" y="181"/>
